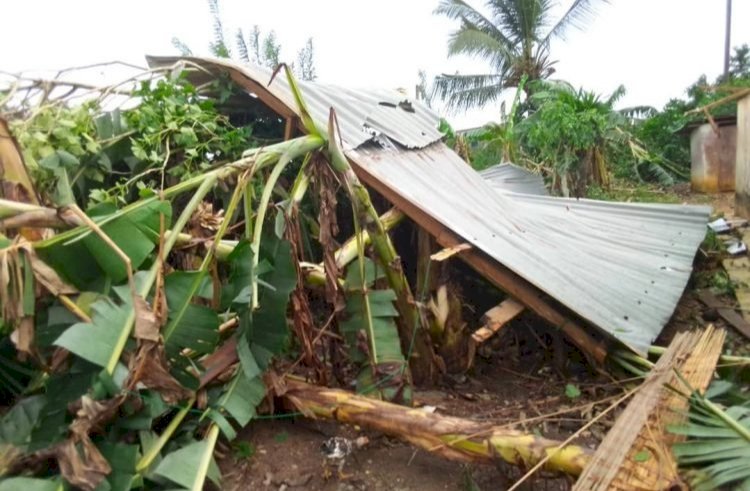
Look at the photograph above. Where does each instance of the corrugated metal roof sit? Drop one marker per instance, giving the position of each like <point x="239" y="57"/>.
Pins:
<point x="509" y="177"/>
<point x="361" y="114"/>
<point x="621" y="266"/>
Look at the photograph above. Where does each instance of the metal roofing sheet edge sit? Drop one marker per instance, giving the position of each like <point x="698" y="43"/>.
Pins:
<point x="621" y="266"/>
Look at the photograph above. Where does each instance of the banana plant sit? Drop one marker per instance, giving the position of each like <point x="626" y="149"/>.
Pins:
<point x="372" y="335"/>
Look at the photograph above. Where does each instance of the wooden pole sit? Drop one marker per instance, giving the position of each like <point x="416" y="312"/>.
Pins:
<point x="728" y="39"/>
<point x="742" y="166"/>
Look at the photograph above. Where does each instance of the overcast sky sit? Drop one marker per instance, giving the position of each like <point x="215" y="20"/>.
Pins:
<point x="656" y="48"/>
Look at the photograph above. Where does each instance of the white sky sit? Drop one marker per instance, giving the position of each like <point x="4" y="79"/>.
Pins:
<point x="656" y="48"/>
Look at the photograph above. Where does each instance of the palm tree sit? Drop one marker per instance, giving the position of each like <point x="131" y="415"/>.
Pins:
<point x="514" y="40"/>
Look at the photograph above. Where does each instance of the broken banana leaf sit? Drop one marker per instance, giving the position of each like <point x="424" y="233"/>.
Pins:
<point x="372" y="335"/>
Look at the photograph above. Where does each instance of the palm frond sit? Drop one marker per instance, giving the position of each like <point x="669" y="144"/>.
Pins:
<point x="578" y="15"/>
<point x="468" y="91"/>
<point x="618" y="94"/>
<point x="652" y="171"/>
<point x="242" y="48"/>
<point x="180" y="46"/>
<point x="719" y="446"/>
<point x="460" y="10"/>
<point x="522" y="19"/>
<point x="218" y="46"/>
<point x="470" y="40"/>
<point x="639" y="112"/>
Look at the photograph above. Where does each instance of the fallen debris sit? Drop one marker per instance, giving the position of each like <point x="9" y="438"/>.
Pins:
<point x="720" y="225"/>
<point x="738" y="270"/>
<point x="636" y="453"/>
<point x="495" y="318"/>
<point x="735" y="247"/>
<point x="449" y="252"/>
<point x="727" y="313"/>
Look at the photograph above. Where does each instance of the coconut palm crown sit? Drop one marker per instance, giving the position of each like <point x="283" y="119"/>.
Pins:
<point x="513" y="36"/>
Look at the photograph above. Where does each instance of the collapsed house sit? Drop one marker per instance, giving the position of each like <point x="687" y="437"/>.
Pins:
<point x="599" y="271"/>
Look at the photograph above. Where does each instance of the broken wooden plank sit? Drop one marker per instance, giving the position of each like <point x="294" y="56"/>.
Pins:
<point x="739" y="273"/>
<point x="495" y="318"/>
<point x="636" y="453"/>
<point x="727" y="313"/>
<point x="448" y="252"/>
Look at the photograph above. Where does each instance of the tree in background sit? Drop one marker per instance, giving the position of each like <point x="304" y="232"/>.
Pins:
<point x="665" y="130"/>
<point x="255" y="48"/>
<point x="422" y="91"/>
<point x="739" y="64"/>
<point x="570" y="135"/>
<point x="514" y="40"/>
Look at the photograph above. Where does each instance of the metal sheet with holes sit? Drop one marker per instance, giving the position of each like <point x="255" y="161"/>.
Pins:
<point x="621" y="266"/>
<point x="362" y="114"/>
<point x="509" y="177"/>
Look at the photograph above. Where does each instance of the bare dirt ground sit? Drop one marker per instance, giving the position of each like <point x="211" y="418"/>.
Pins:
<point x="514" y="382"/>
<point x="287" y="451"/>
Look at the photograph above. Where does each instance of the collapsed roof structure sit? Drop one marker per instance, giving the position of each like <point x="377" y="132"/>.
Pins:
<point x="594" y="269"/>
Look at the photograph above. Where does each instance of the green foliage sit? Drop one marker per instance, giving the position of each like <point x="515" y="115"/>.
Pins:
<point x="83" y="257"/>
<point x="16" y="425"/>
<point x="123" y="362"/>
<point x="500" y="142"/>
<point x="664" y="132"/>
<point x="30" y="484"/>
<point x="259" y="49"/>
<point x="110" y="320"/>
<point x="642" y="456"/>
<point x="281" y="437"/>
<point x="739" y="63"/>
<point x="628" y="191"/>
<point x="243" y="449"/>
<point x="572" y="134"/>
<point x="572" y="392"/>
<point x="60" y="147"/>
<point x="79" y="153"/>
<point x="182" y="466"/>
<point x="371" y="332"/>
<point x="575" y="137"/>
<point x="722" y="284"/>
<point x="175" y="124"/>
<point x="218" y="47"/>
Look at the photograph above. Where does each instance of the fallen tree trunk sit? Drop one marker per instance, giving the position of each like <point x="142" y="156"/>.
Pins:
<point x="452" y="438"/>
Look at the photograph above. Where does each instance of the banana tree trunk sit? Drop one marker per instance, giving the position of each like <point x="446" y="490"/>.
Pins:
<point x="414" y="338"/>
<point x="415" y="341"/>
<point x="452" y="438"/>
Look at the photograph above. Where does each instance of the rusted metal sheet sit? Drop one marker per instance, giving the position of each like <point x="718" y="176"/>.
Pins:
<point x="742" y="165"/>
<point x="712" y="155"/>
